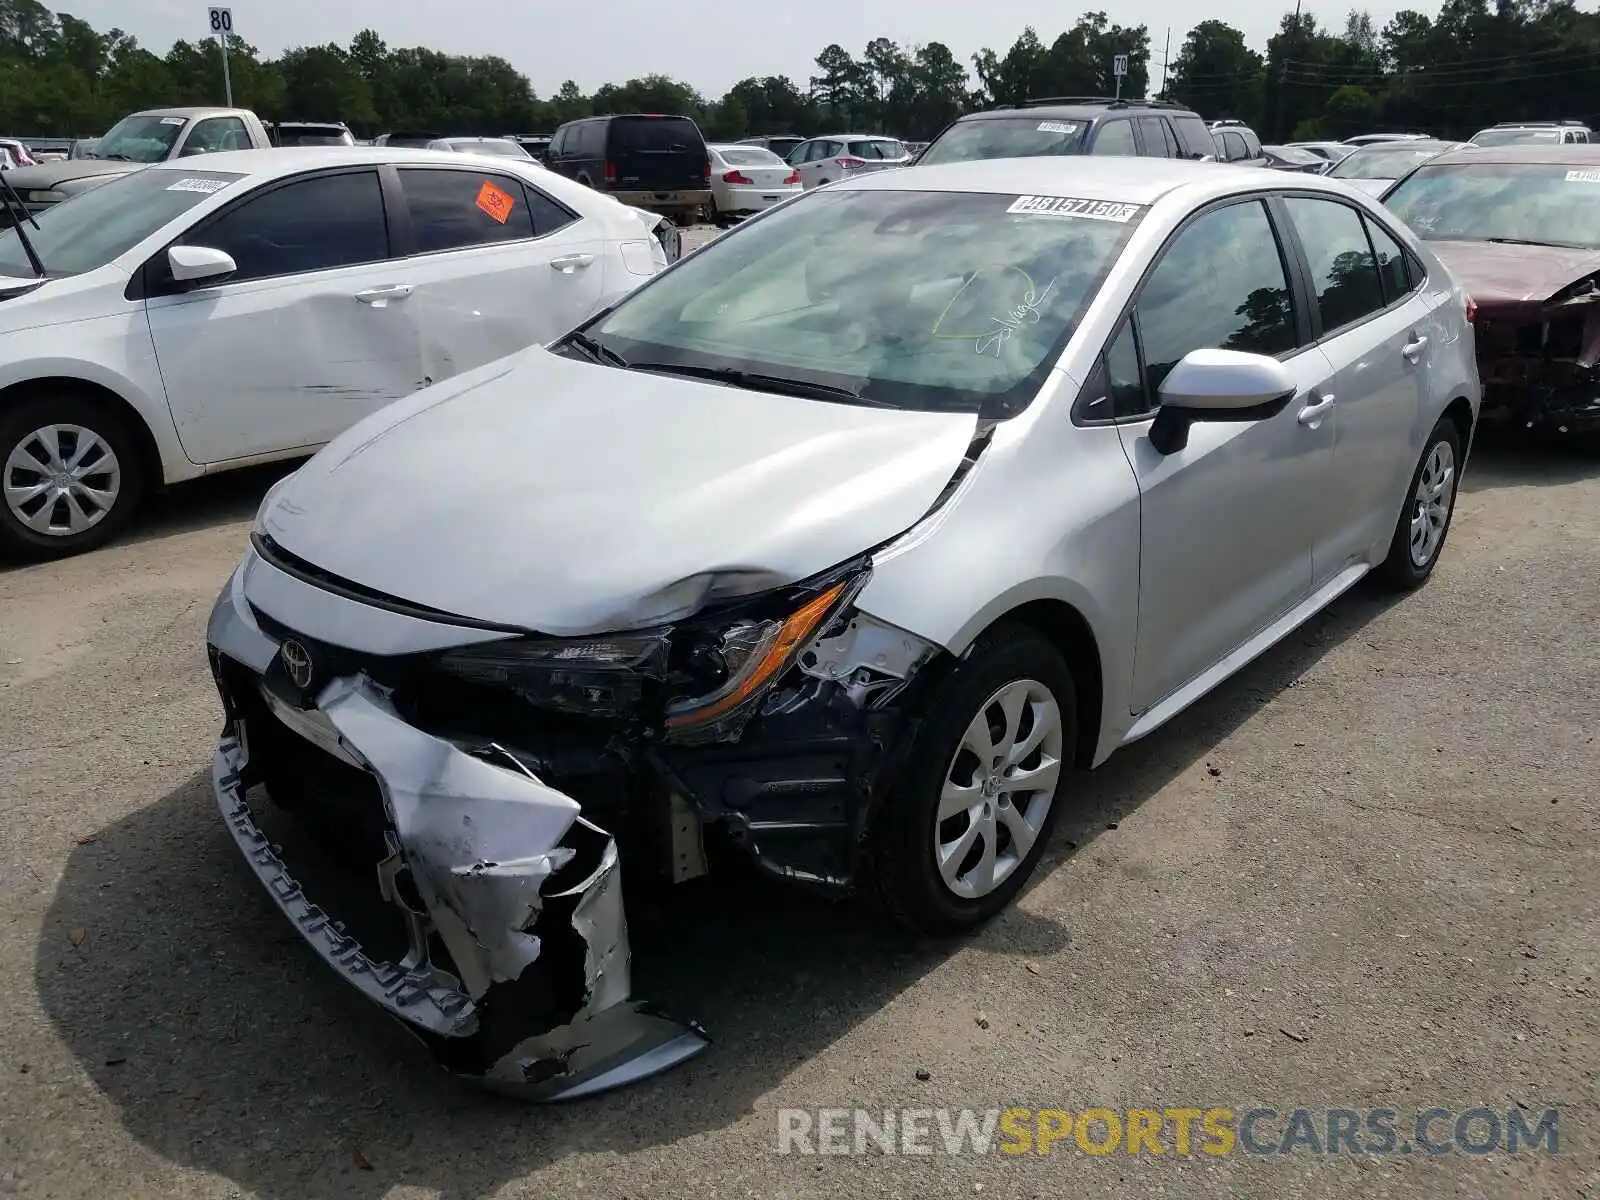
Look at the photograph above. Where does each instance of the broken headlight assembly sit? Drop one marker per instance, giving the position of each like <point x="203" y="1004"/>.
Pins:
<point x="696" y="682"/>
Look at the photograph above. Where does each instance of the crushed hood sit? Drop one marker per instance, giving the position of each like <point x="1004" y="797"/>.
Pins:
<point x="1509" y="277"/>
<point x="562" y="496"/>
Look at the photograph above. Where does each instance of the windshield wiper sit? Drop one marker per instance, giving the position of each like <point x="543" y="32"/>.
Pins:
<point x="22" y="234"/>
<point x="1516" y="241"/>
<point x="595" y="350"/>
<point x="757" y="382"/>
<point x="117" y="157"/>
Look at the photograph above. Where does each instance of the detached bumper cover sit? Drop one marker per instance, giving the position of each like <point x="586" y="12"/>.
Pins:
<point x="523" y="893"/>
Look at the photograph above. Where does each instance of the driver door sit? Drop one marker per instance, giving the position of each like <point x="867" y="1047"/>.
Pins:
<point x="1227" y="524"/>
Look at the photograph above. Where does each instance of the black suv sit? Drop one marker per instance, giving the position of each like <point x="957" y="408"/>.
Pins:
<point x="658" y="163"/>
<point x="1074" y="125"/>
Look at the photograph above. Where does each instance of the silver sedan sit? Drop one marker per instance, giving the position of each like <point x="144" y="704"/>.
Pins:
<point x="871" y="522"/>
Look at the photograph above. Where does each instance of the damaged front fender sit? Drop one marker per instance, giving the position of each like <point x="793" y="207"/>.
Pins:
<point x="523" y="894"/>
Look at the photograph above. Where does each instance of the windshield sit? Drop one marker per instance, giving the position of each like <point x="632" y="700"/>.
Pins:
<point x="1382" y="162"/>
<point x="1546" y="203"/>
<point x="1517" y="137"/>
<point x="90" y="229"/>
<point x="916" y="300"/>
<point x="1005" y="137"/>
<point x="495" y="146"/>
<point x="748" y="156"/>
<point x="139" y="139"/>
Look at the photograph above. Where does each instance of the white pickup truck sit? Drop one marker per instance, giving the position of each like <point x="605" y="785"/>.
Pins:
<point x="136" y="141"/>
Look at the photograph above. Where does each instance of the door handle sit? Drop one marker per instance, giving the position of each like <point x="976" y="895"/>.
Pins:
<point x="1414" y="348"/>
<point x="1311" y="415"/>
<point x="568" y="263"/>
<point x="379" y="297"/>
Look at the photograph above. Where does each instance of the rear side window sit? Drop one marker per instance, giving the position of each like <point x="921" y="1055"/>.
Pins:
<point x="1115" y="138"/>
<point x="1344" y="275"/>
<point x="1153" y="132"/>
<point x="588" y="140"/>
<point x="310" y="225"/>
<point x="1194" y="136"/>
<point x="453" y="210"/>
<point x="657" y="134"/>
<point x="1233" y="146"/>
<point x="878" y="149"/>
<point x="1392" y="262"/>
<point x="1252" y="144"/>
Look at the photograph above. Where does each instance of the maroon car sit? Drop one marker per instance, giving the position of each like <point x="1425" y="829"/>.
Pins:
<point x="1519" y="228"/>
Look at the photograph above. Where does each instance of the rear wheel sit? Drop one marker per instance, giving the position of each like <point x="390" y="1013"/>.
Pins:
<point x="1430" y="503"/>
<point x="70" y="476"/>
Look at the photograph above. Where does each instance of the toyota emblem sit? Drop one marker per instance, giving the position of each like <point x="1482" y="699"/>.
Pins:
<point x="297" y="663"/>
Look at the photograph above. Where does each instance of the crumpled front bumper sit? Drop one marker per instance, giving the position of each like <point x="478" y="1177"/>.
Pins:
<point x="532" y="995"/>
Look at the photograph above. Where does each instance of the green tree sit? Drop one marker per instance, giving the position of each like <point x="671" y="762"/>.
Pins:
<point x="1214" y="72"/>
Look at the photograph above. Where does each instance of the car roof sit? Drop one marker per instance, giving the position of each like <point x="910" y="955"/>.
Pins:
<point x="1411" y="144"/>
<point x="190" y="111"/>
<point x="853" y="137"/>
<point x="1085" y="110"/>
<point x="1574" y="154"/>
<point x="290" y="160"/>
<point x="1085" y="177"/>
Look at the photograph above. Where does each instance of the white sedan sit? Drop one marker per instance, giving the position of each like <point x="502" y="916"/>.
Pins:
<point x="200" y="315"/>
<point x="746" y="180"/>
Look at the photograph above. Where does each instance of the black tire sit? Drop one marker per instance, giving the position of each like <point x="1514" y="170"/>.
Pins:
<point x="1401" y="570"/>
<point x="905" y="881"/>
<point x="18" y="421"/>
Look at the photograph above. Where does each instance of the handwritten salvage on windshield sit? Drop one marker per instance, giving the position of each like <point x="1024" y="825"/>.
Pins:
<point x="1025" y="312"/>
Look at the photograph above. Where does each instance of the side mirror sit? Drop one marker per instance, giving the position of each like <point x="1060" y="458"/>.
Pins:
<point x="1218" y="385"/>
<point x="199" y="264"/>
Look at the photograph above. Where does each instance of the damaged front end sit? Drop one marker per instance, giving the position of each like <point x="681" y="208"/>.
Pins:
<point x="1540" y="360"/>
<point x="488" y="787"/>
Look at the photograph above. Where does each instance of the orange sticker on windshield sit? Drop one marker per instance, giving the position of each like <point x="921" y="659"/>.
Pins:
<point x="495" y="201"/>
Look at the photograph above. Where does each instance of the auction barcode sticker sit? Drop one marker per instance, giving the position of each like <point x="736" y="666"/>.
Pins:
<point x="1590" y="176"/>
<point x="205" y="186"/>
<point x="1066" y="206"/>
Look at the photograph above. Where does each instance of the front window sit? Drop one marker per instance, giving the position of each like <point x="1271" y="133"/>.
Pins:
<point x="1553" y="204"/>
<point x="1517" y="137"/>
<point x="1381" y="162"/>
<point x="1006" y="137"/>
<point x="87" y="231"/>
<point x="904" y="299"/>
<point x="139" y="139"/>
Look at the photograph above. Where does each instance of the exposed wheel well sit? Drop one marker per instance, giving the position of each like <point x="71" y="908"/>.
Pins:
<point x="1460" y="412"/>
<point x="1066" y="628"/>
<point x="149" y="453"/>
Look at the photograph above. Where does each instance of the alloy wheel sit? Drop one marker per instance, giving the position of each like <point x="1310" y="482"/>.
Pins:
<point x="1430" y="514"/>
<point x="998" y="789"/>
<point x="61" y="480"/>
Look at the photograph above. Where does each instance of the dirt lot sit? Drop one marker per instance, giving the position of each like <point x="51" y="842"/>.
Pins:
<point x="1365" y="873"/>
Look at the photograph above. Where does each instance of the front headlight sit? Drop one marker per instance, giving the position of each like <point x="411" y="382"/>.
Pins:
<point x="753" y="655"/>
<point x="597" y="677"/>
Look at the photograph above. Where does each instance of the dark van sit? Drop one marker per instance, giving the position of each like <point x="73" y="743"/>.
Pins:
<point x="658" y="163"/>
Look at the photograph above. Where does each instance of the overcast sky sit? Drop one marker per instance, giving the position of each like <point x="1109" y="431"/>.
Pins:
<point x="707" y="43"/>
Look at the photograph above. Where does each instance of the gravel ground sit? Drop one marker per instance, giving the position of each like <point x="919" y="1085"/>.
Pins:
<point x="1363" y="873"/>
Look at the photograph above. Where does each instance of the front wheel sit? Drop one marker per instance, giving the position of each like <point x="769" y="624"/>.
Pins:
<point x="70" y="476"/>
<point x="1430" y="503"/>
<point x="961" y="835"/>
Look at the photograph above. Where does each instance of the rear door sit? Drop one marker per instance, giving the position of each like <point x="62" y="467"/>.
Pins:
<point x="494" y="265"/>
<point x="657" y="154"/>
<point x="1155" y="139"/>
<point x="1377" y="329"/>
<point x="304" y="339"/>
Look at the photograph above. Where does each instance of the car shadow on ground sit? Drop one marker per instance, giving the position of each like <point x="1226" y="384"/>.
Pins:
<point x="1511" y="458"/>
<point x="226" y="1047"/>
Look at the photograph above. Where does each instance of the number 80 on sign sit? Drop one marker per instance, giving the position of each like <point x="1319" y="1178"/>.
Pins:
<point x="220" y="21"/>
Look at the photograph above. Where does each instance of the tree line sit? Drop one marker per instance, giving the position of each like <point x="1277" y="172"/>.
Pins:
<point x="1468" y="66"/>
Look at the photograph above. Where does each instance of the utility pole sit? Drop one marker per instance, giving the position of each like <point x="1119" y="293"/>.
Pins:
<point x="1166" y="57"/>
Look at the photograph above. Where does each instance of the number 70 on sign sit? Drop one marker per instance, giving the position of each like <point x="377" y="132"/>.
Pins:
<point x="219" y="21"/>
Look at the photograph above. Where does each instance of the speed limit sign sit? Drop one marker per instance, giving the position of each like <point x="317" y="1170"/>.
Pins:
<point x="220" y="21"/>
